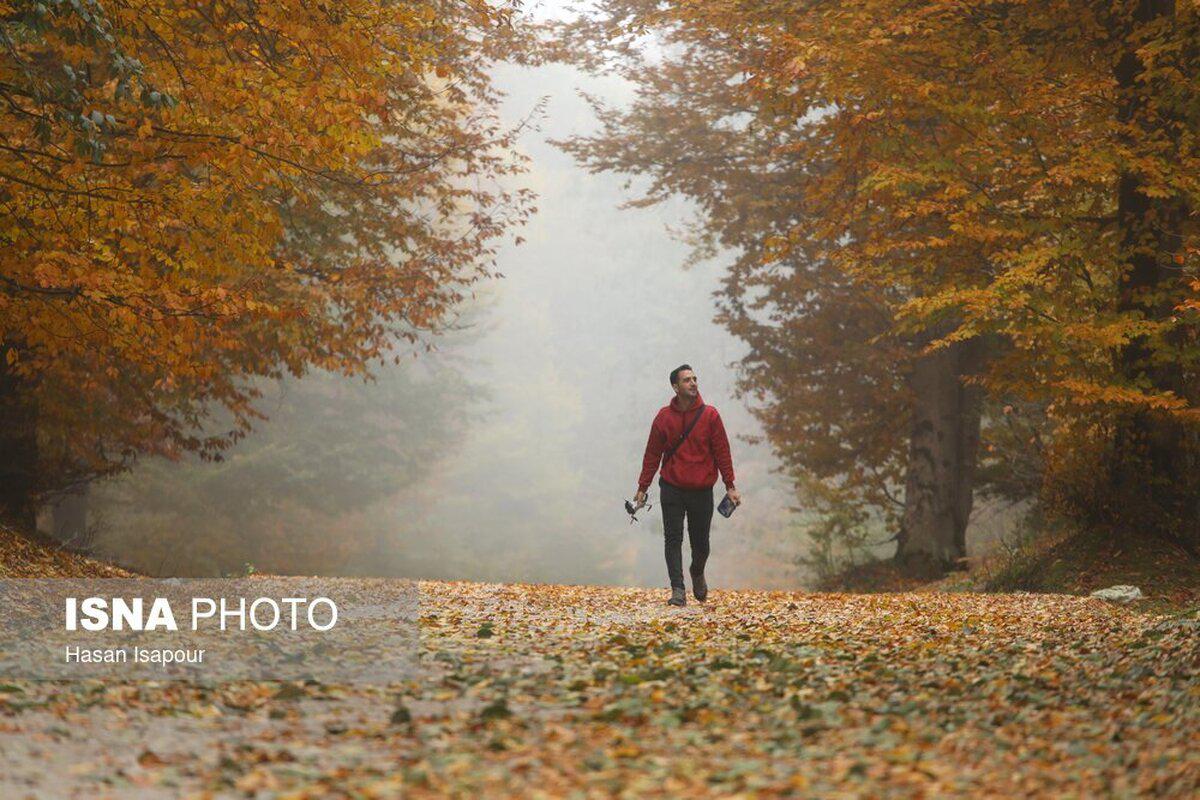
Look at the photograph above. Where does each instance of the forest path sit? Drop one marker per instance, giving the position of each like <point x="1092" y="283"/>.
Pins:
<point x="542" y="690"/>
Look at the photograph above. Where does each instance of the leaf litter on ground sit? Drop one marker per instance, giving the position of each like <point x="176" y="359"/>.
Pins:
<point x="540" y="690"/>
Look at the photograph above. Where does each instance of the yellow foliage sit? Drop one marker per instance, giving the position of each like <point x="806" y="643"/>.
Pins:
<point x="195" y="194"/>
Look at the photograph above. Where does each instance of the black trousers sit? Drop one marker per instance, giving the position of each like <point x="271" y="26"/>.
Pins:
<point x="697" y="506"/>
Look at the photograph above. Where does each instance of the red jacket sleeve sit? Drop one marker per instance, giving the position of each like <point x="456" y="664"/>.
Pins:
<point x="720" y="448"/>
<point x="655" y="445"/>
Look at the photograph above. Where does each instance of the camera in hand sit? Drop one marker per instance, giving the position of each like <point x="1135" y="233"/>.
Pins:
<point x="725" y="509"/>
<point x="632" y="509"/>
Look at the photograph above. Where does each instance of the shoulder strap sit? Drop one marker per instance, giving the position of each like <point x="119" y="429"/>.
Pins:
<point x="684" y="435"/>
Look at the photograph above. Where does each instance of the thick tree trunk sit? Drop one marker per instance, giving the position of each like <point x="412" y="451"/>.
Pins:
<point x="1155" y="456"/>
<point x="943" y="448"/>
<point x="18" y="450"/>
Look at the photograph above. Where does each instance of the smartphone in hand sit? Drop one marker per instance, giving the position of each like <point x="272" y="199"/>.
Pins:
<point x="726" y="507"/>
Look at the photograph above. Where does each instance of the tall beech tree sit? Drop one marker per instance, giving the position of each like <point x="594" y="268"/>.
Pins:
<point x="198" y="194"/>
<point x="1047" y="148"/>
<point x="1015" y="186"/>
<point x="1156" y="453"/>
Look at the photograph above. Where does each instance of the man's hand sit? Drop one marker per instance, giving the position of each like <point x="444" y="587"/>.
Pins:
<point x="735" y="496"/>
<point x="639" y="499"/>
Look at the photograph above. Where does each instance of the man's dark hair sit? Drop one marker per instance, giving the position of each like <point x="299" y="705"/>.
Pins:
<point x="675" y="372"/>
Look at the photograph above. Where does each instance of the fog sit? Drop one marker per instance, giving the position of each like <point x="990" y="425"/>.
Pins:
<point x="538" y="437"/>
<point x="594" y="311"/>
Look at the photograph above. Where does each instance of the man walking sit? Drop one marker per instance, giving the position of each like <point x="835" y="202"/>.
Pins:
<point x="690" y="439"/>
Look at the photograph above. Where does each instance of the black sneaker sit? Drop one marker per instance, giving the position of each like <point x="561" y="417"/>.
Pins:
<point x="700" y="587"/>
<point x="678" y="596"/>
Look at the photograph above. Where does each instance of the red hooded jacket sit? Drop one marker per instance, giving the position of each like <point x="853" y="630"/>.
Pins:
<point x="696" y="462"/>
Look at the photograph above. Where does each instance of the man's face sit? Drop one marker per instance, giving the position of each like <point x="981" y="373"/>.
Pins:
<point x="687" y="385"/>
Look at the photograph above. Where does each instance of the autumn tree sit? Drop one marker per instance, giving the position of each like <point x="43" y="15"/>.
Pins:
<point x="1044" y="149"/>
<point x="199" y="195"/>
<point x="965" y="163"/>
<point x="1155" y="453"/>
<point x="855" y="412"/>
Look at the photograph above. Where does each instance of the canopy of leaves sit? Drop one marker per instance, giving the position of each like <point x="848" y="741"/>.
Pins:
<point x="894" y="176"/>
<point x="197" y="194"/>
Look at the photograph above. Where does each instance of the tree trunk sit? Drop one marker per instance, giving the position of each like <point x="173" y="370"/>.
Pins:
<point x="18" y="449"/>
<point x="943" y="448"/>
<point x="1155" y="455"/>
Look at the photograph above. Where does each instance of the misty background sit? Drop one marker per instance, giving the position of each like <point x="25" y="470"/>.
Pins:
<point x="506" y="454"/>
